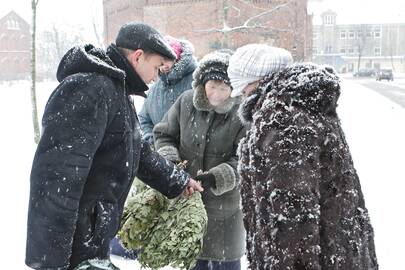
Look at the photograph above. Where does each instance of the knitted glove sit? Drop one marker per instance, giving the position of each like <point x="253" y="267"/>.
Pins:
<point x="207" y="180"/>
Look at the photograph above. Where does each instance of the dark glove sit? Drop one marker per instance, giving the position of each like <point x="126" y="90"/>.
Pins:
<point x="207" y="180"/>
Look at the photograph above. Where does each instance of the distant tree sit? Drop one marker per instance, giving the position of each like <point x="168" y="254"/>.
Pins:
<point x="363" y="36"/>
<point x="53" y="43"/>
<point x="393" y="35"/>
<point x="259" y="21"/>
<point x="97" y="22"/>
<point x="34" y="4"/>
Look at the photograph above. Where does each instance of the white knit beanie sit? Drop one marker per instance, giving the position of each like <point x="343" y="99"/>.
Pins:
<point x="252" y="62"/>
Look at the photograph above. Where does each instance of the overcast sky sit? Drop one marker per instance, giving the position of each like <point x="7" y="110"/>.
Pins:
<point x="81" y="12"/>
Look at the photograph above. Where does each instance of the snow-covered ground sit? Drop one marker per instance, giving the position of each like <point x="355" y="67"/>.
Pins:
<point x="374" y="130"/>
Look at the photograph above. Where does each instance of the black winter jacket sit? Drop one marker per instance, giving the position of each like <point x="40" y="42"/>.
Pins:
<point x="89" y="153"/>
<point x="302" y="200"/>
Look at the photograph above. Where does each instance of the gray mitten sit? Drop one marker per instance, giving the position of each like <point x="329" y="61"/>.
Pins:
<point x="225" y="178"/>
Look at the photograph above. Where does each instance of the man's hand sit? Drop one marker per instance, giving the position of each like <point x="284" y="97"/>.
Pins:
<point x="192" y="187"/>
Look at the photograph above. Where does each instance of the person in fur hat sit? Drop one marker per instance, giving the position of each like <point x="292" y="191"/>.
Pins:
<point x="302" y="200"/>
<point x="171" y="83"/>
<point x="203" y="128"/>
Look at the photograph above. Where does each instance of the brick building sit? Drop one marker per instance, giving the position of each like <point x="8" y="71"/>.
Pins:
<point x="208" y="23"/>
<point x="15" y="42"/>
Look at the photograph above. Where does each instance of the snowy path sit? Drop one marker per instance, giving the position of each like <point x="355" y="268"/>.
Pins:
<point x="374" y="130"/>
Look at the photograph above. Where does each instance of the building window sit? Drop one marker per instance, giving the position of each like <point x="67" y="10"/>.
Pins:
<point x="377" y="33"/>
<point x="328" y="49"/>
<point x="329" y="20"/>
<point x="343" y="34"/>
<point x="314" y="35"/>
<point x="369" y="34"/>
<point x="377" y="51"/>
<point x="12" y="25"/>
<point x="351" y="34"/>
<point x="314" y="50"/>
<point x="350" y="50"/>
<point x="343" y="50"/>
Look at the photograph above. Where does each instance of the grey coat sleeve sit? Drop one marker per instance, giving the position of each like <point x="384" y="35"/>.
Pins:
<point x="167" y="132"/>
<point x="146" y="122"/>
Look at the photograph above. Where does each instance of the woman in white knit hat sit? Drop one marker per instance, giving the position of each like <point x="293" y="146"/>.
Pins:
<point x="303" y="207"/>
<point x="251" y="63"/>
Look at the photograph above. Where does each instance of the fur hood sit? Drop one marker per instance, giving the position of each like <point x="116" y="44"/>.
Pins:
<point x="213" y="63"/>
<point x="304" y="85"/>
<point x="87" y="58"/>
<point x="187" y="64"/>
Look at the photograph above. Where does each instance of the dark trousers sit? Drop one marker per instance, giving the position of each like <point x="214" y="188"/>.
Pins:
<point x="117" y="249"/>
<point x="217" y="265"/>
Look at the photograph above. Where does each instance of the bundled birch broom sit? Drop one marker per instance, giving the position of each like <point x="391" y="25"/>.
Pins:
<point x="165" y="232"/>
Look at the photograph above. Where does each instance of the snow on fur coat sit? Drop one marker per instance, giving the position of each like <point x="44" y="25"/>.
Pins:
<point x="301" y="196"/>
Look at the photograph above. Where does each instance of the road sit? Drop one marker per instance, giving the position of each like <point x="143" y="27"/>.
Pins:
<point x="394" y="90"/>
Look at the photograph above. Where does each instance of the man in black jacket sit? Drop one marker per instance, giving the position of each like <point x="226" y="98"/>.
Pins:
<point x="91" y="150"/>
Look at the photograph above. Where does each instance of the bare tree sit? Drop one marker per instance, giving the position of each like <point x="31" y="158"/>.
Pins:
<point x="53" y="44"/>
<point x="96" y="23"/>
<point x="34" y="4"/>
<point x="393" y="36"/>
<point x="254" y="23"/>
<point x="362" y="39"/>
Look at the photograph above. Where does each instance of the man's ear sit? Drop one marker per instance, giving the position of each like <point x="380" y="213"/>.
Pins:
<point x="134" y="57"/>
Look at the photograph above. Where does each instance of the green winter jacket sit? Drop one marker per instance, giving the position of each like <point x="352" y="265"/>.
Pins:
<point x="208" y="140"/>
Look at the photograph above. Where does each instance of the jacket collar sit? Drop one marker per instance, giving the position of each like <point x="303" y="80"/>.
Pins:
<point x="134" y="84"/>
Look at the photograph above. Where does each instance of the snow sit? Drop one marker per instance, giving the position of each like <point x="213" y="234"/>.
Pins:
<point x="374" y="130"/>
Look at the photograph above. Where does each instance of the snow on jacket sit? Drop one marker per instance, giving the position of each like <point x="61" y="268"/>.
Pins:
<point x="89" y="153"/>
<point x="301" y="196"/>
<point x="208" y="141"/>
<point x="166" y="90"/>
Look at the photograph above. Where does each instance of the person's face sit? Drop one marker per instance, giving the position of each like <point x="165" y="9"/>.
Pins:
<point x="147" y="65"/>
<point x="217" y="92"/>
<point x="249" y="88"/>
<point x="166" y="67"/>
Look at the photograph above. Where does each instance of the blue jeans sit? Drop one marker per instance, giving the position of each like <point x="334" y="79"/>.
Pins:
<point x="117" y="249"/>
<point x="217" y="265"/>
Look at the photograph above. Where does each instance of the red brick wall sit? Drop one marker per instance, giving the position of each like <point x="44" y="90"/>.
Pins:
<point x="15" y="42"/>
<point x="287" y="27"/>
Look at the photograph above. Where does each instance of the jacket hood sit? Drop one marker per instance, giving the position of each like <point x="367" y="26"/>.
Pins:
<point x="304" y="85"/>
<point x="186" y="65"/>
<point x="213" y="66"/>
<point x="112" y="63"/>
<point x="87" y="58"/>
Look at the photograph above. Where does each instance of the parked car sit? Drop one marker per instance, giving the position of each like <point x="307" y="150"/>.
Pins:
<point x="385" y="74"/>
<point x="365" y="72"/>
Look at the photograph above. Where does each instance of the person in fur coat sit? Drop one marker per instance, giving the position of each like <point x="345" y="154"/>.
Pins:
<point x="203" y="128"/>
<point x="301" y="196"/>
